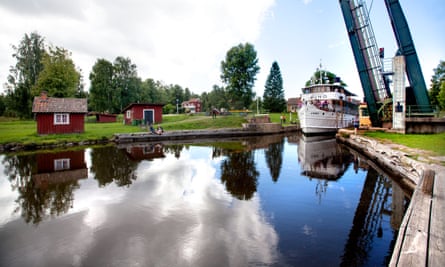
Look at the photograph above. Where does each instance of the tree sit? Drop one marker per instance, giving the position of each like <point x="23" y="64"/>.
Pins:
<point x="441" y="96"/>
<point x="126" y="83"/>
<point x="101" y="90"/>
<point x="187" y="94"/>
<point x="437" y="82"/>
<point x="175" y="92"/>
<point x="217" y="98"/>
<point x="326" y="76"/>
<point x="238" y="73"/>
<point x="59" y="76"/>
<point x="23" y="76"/>
<point x="2" y="104"/>
<point x="273" y="97"/>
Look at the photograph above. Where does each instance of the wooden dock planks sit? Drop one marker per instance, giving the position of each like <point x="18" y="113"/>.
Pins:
<point x="436" y="255"/>
<point x="421" y="238"/>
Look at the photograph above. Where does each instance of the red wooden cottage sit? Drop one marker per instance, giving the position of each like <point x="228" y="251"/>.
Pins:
<point x="59" y="115"/>
<point x="137" y="113"/>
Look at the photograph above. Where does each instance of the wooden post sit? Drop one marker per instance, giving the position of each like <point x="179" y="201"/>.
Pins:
<point x="428" y="182"/>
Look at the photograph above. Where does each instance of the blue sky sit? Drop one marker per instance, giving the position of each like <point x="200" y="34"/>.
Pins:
<point x="299" y="35"/>
<point x="184" y="41"/>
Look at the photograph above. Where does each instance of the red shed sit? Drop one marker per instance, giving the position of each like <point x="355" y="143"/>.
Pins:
<point x="143" y="113"/>
<point x="104" y="117"/>
<point x="59" y="115"/>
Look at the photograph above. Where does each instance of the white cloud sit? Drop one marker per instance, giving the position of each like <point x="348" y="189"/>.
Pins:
<point x="177" y="41"/>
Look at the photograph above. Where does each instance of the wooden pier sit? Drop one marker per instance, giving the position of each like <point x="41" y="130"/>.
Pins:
<point x="421" y="237"/>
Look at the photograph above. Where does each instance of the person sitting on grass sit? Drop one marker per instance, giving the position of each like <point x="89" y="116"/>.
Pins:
<point x="159" y="130"/>
<point x="152" y="130"/>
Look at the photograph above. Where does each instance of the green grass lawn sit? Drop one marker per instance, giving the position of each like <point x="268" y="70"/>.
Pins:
<point x="25" y="131"/>
<point x="431" y="142"/>
<point x="199" y="122"/>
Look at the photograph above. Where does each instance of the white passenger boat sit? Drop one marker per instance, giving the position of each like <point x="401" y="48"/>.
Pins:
<point x="325" y="108"/>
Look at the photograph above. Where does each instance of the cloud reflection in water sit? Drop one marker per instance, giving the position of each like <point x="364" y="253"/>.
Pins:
<point x="176" y="213"/>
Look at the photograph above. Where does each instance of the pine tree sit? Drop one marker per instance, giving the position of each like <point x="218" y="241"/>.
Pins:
<point x="273" y="97"/>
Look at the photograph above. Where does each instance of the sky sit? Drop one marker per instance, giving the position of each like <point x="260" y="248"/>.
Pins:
<point x="184" y="41"/>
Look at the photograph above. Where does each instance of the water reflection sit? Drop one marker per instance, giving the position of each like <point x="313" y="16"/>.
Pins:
<point x="322" y="157"/>
<point x="109" y="164"/>
<point x="367" y="223"/>
<point x="149" y="151"/>
<point x="274" y="158"/>
<point x="233" y="203"/>
<point x="239" y="174"/>
<point x="45" y="182"/>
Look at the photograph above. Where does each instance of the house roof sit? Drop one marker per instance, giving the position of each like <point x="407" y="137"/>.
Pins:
<point x="293" y="101"/>
<point x="192" y="100"/>
<point x="141" y="104"/>
<point x="44" y="104"/>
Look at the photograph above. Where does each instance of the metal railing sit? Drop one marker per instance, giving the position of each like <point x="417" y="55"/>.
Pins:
<point x="422" y="111"/>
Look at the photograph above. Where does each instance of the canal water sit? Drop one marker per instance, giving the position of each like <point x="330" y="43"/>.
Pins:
<point x="263" y="201"/>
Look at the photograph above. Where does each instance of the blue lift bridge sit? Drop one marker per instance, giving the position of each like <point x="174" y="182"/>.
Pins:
<point x="369" y="59"/>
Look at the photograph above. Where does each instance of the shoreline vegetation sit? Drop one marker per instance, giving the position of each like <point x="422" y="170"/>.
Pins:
<point x="22" y="133"/>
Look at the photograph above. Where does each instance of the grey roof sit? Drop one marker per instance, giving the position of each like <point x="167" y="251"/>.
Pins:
<point x="52" y="104"/>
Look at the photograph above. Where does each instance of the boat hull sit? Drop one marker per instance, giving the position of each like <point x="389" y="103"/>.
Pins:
<point x="317" y="121"/>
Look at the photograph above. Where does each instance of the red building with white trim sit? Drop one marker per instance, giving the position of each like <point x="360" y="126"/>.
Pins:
<point x="193" y="105"/>
<point x="59" y="115"/>
<point x="137" y="113"/>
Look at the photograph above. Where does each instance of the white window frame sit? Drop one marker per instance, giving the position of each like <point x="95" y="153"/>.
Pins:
<point x="128" y="114"/>
<point x="61" y="164"/>
<point x="61" y="118"/>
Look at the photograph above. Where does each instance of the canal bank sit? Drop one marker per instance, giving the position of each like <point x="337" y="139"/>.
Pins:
<point x="421" y="238"/>
<point x="248" y="129"/>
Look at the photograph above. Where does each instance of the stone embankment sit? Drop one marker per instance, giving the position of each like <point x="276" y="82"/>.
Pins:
<point x="406" y="164"/>
<point x="16" y="147"/>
